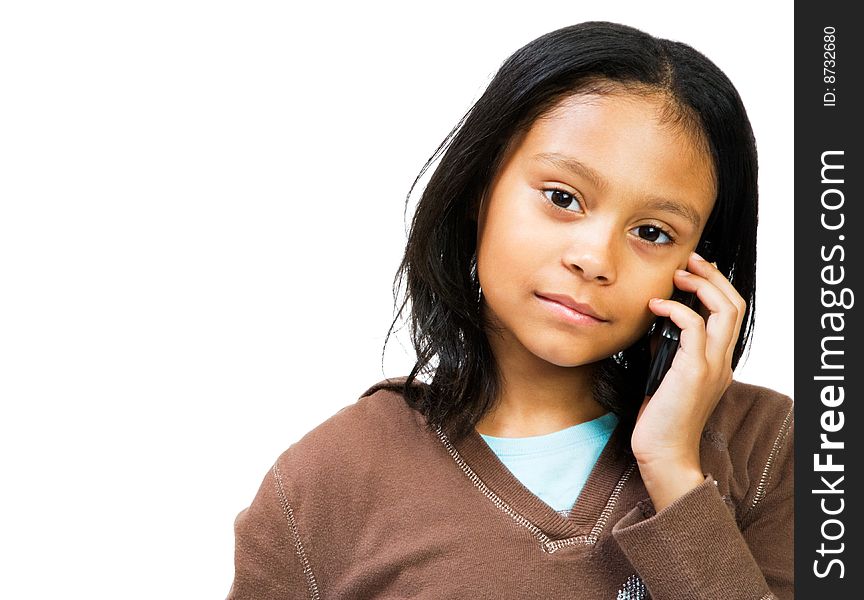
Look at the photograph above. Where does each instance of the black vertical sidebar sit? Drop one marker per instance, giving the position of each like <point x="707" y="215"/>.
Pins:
<point x="829" y="260"/>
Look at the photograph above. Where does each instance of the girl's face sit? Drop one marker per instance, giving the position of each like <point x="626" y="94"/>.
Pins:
<point x="598" y="201"/>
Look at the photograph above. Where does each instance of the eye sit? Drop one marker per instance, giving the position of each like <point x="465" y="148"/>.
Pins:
<point x="653" y="234"/>
<point x="561" y="199"/>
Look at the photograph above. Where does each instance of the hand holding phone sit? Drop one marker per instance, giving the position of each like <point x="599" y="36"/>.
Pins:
<point x="670" y="333"/>
<point x="669" y="423"/>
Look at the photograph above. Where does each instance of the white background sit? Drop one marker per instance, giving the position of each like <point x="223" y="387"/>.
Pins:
<point x="202" y="215"/>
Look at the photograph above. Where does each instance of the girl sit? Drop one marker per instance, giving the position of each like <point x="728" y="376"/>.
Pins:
<point x="567" y="207"/>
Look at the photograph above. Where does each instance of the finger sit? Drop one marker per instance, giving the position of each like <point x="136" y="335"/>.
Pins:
<point x="692" y="338"/>
<point x="700" y="266"/>
<point x="722" y="318"/>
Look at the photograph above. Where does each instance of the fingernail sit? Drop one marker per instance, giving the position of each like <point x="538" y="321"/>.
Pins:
<point x="682" y="272"/>
<point x="655" y="301"/>
<point x="697" y="257"/>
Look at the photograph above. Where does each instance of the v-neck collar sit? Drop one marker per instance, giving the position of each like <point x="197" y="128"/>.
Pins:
<point x="591" y="510"/>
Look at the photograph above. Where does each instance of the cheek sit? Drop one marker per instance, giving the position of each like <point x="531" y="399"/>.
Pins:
<point x="511" y="249"/>
<point x="651" y="275"/>
<point x="641" y="289"/>
<point x="503" y="268"/>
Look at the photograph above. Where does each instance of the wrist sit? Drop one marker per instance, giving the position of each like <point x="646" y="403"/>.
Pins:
<point x="668" y="482"/>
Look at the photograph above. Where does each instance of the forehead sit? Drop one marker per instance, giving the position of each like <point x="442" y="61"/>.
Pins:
<point x="629" y="141"/>
<point x="648" y="110"/>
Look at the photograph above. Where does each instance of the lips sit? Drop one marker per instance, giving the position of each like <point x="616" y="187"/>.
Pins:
<point x="569" y="302"/>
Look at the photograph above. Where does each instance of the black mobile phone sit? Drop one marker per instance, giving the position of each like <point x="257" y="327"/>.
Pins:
<point x="670" y="333"/>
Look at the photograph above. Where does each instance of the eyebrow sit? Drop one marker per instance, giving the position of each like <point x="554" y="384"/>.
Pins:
<point x="568" y="163"/>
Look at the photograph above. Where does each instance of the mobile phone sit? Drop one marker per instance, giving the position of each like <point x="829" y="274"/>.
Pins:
<point x="670" y="333"/>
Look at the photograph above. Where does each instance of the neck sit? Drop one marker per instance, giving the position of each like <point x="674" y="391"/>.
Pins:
<point x="537" y="397"/>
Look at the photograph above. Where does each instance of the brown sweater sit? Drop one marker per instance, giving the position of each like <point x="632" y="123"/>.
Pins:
<point x="370" y="504"/>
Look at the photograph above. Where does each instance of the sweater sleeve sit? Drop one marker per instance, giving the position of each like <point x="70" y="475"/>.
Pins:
<point x="269" y="558"/>
<point x="695" y="549"/>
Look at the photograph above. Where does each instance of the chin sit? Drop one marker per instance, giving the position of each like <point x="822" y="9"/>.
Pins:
<point x="562" y="355"/>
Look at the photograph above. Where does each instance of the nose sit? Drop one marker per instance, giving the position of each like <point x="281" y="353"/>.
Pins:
<point x="591" y="254"/>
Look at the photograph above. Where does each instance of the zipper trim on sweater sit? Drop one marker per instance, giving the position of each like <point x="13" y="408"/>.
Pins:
<point x="547" y="544"/>
<point x="311" y="584"/>
<point x="766" y="472"/>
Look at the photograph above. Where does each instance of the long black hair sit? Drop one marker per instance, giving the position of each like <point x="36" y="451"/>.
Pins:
<point x="439" y="266"/>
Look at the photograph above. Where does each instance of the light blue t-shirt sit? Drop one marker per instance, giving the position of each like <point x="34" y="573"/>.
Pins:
<point x="555" y="466"/>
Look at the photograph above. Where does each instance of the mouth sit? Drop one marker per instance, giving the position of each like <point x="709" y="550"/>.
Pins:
<point x="570" y="309"/>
